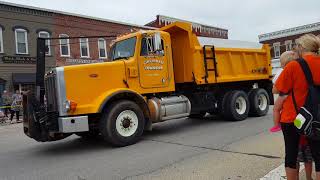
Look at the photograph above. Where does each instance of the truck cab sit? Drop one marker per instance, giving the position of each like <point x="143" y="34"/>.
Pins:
<point x="148" y="60"/>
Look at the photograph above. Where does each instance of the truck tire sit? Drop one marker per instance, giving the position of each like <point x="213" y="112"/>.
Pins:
<point x="235" y="106"/>
<point x="259" y="102"/>
<point x="122" y="123"/>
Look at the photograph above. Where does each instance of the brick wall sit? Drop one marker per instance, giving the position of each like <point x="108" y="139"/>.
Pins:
<point x="78" y="26"/>
<point x="283" y="40"/>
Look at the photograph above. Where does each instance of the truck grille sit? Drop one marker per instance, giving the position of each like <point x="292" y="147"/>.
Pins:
<point x="51" y="93"/>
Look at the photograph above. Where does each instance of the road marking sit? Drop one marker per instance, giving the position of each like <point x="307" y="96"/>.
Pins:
<point x="279" y="173"/>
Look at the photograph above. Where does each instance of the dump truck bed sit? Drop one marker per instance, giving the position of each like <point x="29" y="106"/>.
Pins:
<point x="209" y="60"/>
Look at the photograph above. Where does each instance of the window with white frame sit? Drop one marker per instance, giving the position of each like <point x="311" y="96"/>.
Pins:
<point x="84" y="47"/>
<point x="276" y="50"/>
<point x="102" y="48"/>
<point x="1" y="40"/>
<point x="64" y="45"/>
<point x="288" y="44"/>
<point x="44" y="34"/>
<point x="21" y="41"/>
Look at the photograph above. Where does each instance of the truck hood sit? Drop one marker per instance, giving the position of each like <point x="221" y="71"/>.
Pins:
<point x="85" y="83"/>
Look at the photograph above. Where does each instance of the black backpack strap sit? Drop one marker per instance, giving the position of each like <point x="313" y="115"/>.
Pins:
<point x="294" y="102"/>
<point x="306" y="70"/>
<point x="308" y="75"/>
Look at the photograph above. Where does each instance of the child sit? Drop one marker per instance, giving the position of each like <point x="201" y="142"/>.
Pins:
<point x="285" y="58"/>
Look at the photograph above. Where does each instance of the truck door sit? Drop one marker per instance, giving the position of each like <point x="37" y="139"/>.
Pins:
<point x="153" y="65"/>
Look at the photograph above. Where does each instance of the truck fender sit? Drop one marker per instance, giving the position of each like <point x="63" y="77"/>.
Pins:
<point x="128" y="94"/>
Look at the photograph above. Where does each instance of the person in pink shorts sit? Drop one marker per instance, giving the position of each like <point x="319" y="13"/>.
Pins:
<point x="285" y="58"/>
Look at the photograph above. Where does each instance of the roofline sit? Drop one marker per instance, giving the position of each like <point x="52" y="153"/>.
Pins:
<point x="192" y="22"/>
<point x="72" y="14"/>
<point x="290" y="31"/>
<point x="150" y="22"/>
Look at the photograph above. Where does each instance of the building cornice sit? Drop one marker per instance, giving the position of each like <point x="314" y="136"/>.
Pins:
<point x="70" y="14"/>
<point x="196" y="26"/>
<point x="290" y="32"/>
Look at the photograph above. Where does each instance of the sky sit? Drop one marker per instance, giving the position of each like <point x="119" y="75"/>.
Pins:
<point x="245" y="19"/>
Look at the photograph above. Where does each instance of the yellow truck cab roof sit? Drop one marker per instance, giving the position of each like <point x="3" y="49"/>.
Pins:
<point x="138" y="33"/>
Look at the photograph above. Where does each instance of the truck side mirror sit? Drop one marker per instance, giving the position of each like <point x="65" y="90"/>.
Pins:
<point x="157" y="42"/>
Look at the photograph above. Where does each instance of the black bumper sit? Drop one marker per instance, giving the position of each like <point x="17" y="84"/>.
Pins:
<point x="39" y="124"/>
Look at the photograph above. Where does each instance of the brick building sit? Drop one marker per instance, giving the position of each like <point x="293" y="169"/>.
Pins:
<point x="283" y="40"/>
<point x="21" y="25"/>
<point x="85" y="50"/>
<point x="199" y="29"/>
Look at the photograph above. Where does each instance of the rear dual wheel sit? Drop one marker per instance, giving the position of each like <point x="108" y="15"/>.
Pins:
<point x="235" y="105"/>
<point x="259" y="102"/>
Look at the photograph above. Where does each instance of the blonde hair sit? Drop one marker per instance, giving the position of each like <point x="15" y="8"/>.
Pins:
<point x="286" y="57"/>
<point x="309" y="43"/>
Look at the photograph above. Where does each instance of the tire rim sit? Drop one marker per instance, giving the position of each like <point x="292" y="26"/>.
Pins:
<point x="127" y="123"/>
<point x="241" y="105"/>
<point x="262" y="102"/>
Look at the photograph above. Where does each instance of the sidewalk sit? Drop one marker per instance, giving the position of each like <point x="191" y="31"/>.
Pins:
<point x="7" y="122"/>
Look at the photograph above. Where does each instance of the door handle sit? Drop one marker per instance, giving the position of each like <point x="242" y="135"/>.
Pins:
<point x="133" y="72"/>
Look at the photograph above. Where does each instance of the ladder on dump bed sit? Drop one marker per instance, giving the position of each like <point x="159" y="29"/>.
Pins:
<point x="206" y="58"/>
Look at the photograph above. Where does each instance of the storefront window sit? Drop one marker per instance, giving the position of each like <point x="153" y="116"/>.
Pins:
<point x="27" y="87"/>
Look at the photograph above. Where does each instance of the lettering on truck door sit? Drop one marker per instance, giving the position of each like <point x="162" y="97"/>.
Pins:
<point x="153" y="66"/>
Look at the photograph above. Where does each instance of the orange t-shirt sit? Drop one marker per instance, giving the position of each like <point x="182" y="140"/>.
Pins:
<point x="292" y="77"/>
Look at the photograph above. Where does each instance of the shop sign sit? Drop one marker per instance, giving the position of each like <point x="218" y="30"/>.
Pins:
<point x="82" y="61"/>
<point x="18" y="59"/>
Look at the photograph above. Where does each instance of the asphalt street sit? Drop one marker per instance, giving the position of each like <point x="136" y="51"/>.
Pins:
<point x="208" y="148"/>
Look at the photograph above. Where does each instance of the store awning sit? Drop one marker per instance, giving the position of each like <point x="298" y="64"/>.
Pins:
<point x="2" y="81"/>
<point x="23" y="78"/>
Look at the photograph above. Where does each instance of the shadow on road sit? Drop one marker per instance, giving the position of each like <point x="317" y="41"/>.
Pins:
<point x="182" y="125"/>
<point x="73" y="145"/>
<point x="77" y="145"/>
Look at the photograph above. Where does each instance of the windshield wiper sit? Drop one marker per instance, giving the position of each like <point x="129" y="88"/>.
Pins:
<point x="121" y="57"/>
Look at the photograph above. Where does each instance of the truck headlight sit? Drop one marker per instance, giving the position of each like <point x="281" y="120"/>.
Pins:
<point x="68" y="105"/>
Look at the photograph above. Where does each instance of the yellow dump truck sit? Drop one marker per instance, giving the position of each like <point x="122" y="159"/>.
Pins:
<point x="153" y="76"/>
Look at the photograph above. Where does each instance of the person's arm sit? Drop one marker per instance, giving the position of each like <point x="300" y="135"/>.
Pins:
<point x="275" y="90"/>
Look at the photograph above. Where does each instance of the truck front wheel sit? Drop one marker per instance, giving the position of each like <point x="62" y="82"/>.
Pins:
<point x="235" y="105"/>
<point x="122" y="123"/>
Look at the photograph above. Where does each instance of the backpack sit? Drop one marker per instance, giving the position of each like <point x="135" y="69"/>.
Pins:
<point x="310" y="111"/>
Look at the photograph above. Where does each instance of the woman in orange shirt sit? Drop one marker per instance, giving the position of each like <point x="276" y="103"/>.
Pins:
<point x="292" y="79"/>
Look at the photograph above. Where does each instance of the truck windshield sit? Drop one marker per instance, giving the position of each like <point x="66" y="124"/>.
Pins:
<point x="123" y="49"/>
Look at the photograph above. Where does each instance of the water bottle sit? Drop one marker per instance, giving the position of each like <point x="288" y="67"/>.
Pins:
<point x="299" y="121"/>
